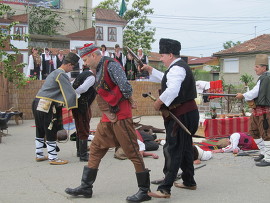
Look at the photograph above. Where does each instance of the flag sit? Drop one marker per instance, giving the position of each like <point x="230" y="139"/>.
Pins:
<point x="123" y="8"/>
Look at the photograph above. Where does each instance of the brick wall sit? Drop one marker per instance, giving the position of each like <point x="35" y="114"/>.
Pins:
<point x="21" y="99"/>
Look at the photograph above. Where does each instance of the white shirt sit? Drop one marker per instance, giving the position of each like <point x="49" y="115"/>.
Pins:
<point x="175" y="77"/>
<point x="31" y="65"/>
<point x="234" y="140"/>
<point x="254" y="93"/>
<point x="89" y="82"/>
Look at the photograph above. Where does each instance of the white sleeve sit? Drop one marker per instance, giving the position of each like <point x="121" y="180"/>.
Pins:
<point x="156" y="76"/>
<point x="252" y="94"/>
<point x="175" y="77"/>
<point x="234" y="140"/>
<point x="30" y="65"/>
<point x="54" y="62"/>
<point x="86" y="85"/>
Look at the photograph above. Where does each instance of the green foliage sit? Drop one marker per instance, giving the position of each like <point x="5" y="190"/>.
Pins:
<point x="201" y="75"/>
<point x="7" y="60"/>
<point x="230" y="44"/>
<point x="44" y="21"/>
<point x="135" y="33"/>
<point x="215" y="68"/>
<point x="246" y="78"/>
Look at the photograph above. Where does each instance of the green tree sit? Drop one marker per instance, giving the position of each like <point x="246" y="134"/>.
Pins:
<point x="136" y="33"/>
<point x="230" y="44"/>
<point x="8" y="67"/>
<point x="44" y="21"/>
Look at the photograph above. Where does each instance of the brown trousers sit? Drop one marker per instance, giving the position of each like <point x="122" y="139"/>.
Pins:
<point x="82" y="123"/>
<point x="120" y="133"/>
<point x="256" y="127"/>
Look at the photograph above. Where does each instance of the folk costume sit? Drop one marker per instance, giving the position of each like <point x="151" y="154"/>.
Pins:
<point x="238" y="141"/>
<point x="259" y="127"/>
<point x="34" y="66"/>
<point x="143" y="74"/>
<point x="178" y="92"/>
<point x="54" y="93"/>
<point x="115" y="128"/>
<point x="131" y="69"/>
<point x="47" y="64"/>
<point x="119" y="56"/>
<point x="58" y="60"/>
<point x="83" y="86"/>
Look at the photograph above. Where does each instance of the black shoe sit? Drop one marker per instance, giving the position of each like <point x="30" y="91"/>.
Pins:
<point x="263" y="163"/>
<point x="259" y="158"/>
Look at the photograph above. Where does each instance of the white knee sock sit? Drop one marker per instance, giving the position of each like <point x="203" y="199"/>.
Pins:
<point x="267" y="151"/>
<point x="51" y="147"/>
<point x="261" y="145"/>
<point x="39" y="147"/>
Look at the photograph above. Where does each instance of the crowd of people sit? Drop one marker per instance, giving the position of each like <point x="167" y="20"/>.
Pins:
<point x="105" y="78"/>
<point x="41" y="65"/>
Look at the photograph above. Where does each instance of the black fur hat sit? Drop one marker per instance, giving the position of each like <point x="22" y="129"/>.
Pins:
<point x="169" y="46"/>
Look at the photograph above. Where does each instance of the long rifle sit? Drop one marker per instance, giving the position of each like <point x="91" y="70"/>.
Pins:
<point x="136" y="58"/>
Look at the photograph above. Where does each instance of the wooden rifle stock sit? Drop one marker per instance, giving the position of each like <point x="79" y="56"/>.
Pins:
<point x="136" y="58"/>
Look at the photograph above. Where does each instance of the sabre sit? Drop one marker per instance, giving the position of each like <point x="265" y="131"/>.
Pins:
<point x="170" y="113"/>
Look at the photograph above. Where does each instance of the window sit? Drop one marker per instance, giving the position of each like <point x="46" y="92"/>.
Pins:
<point x="231" y="65"/>
<point x="99" y="33"/>
<point x="18" y="30"/>
<point x="4" y="31"/>
<point x="112" y="34"/>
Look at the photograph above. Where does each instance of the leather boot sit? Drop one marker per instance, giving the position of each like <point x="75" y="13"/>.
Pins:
<point x="83" y="150"/>
<point x="143" y="179"/>
<point x="88" y="178"/>
<point x="77" y="146"/>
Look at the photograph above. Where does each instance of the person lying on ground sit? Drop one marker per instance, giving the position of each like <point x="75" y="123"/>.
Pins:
<point x="119" y="153"/>
<point x="236" y="142"/>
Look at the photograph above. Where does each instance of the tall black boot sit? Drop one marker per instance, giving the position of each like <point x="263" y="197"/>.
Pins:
<point x="88" y="178"/>
<point x="83" y="150"/>
<point x="143" y="179"/>
<point x="77" y="146"/>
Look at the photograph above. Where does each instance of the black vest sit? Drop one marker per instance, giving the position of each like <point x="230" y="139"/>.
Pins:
<point x="263" y="98"/>
<point x="58" y="62"/>
<point x="87" y="97"/>
<point x="188" y="88"/>
<point x="119" y="59"/>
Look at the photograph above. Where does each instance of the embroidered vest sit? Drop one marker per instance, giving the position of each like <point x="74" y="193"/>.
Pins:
<point x="245" y="141"/>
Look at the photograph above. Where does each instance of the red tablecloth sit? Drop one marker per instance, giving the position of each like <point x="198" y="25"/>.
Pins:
<point x="216" y="128"/>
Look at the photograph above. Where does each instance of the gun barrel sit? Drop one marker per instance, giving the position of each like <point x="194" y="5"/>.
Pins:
<point x="218" y="94"/>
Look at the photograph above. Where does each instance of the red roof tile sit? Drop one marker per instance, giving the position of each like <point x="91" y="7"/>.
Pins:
<point x="202" y="60"/>
<point x="109" y="16"/>
<point x="21" y="18"/>
<point x="257" y="45"/>
<point x="88" y="34"/>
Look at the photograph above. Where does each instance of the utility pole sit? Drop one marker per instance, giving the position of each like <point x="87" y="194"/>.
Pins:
<point x="85" y="20"/>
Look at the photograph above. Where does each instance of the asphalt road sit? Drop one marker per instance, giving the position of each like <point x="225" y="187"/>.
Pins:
<point x="225" y="178"/>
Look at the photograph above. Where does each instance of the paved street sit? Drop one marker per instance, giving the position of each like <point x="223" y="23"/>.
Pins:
<point x="225" y="178"/>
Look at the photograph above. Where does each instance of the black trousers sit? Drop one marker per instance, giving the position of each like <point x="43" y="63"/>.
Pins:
<point x="43" y="120"/>
<point x="178" y="150"/>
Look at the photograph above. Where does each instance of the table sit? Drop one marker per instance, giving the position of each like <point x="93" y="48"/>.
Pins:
<point x="217" y="128"/>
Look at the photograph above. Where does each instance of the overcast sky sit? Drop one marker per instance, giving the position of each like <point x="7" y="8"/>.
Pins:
<point x="203" y="26"/>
